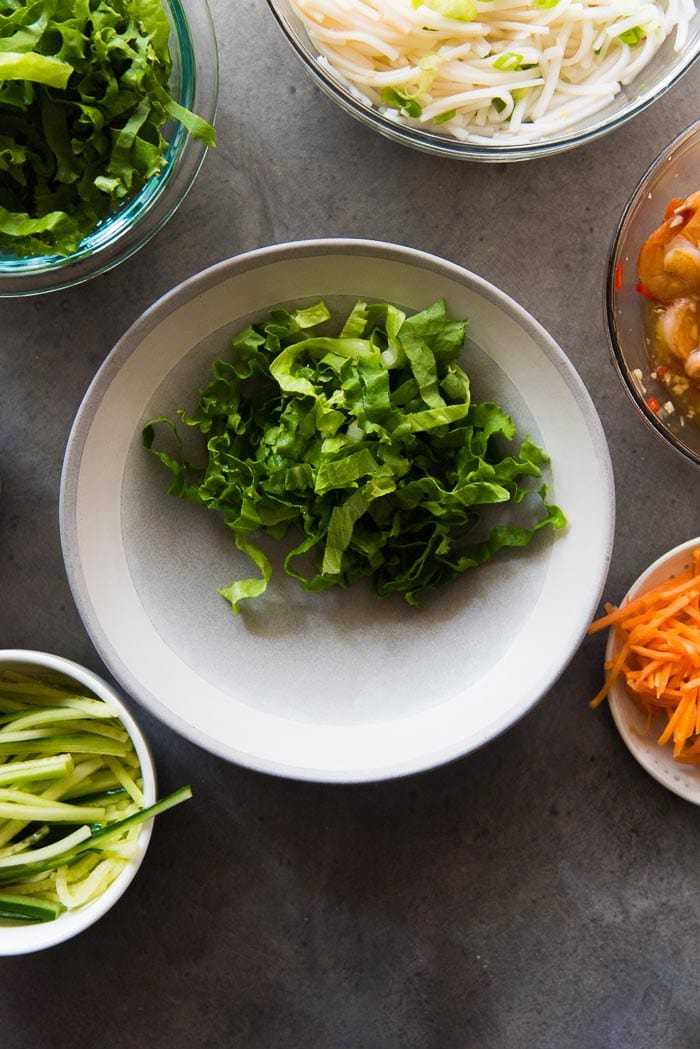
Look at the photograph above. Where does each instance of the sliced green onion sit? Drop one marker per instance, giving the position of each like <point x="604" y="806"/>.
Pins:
<point x="405" y="103"/>
<point x="508" y="61"/>
<point x="442" y="118"/>
<point x="459" y="10"/>
<point x="632" y="37"/>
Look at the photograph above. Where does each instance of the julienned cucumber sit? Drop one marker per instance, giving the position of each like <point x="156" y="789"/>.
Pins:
<point x="27" y="908"/>
<point x="71" y="796"/>
<point x="99" y="839"/>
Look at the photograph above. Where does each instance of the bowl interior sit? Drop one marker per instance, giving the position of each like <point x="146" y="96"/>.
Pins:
<point x="339" y="685"/>
<point x="194" y="85"/>
<point x="673" y="174"/>
<point x="25" y="937"/>
<point x="637" y="733"/>
<point x="659" y="74"/>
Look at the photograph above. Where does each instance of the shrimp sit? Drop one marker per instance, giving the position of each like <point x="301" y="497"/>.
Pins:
<point x="669" y="260"/>
<point x="678" y="330"/>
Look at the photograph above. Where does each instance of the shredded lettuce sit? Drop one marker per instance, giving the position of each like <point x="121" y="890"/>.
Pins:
<point x="84" y="98"/>
<point x="362" y="449"/>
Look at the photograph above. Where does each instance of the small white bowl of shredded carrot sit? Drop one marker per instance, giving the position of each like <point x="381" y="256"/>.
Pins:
<point x="652" y="665"/>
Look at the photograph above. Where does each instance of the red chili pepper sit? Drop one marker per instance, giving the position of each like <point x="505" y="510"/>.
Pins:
<point x="643" y="291"/>
<point x="653" y="404"/>
<point x="661" y="370"/>
<point x="619" y="273"/>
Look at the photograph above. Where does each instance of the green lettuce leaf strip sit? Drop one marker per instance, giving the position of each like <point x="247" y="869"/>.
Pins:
<point x="361" y="449"/>
<point x="84" y="99"/>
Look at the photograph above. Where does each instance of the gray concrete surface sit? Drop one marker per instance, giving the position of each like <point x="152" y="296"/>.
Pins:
<point x="539" y="894"/>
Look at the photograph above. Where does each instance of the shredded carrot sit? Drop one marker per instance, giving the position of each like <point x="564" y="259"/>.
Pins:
<point x="659" y="657"/>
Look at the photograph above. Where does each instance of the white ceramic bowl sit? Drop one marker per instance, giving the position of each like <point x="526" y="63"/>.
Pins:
<point x="25" y="937"/>
<point x="631" y="721"/>
<point x="336" y="686"/>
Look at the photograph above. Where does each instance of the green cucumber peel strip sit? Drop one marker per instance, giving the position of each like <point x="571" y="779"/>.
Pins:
<point x="364" y="447"/>
<point x="46" y="854"/>
<point x="24" y="865"/>
<point x="17" y="907"/>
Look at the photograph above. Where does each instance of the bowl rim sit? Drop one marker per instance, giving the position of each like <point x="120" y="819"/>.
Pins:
<point x="632" y="390"/>
<point x="28" y="937"/>
<point x="441" y="145"/>
<point x="145" y="214"/>
<point x="682" y="780"/>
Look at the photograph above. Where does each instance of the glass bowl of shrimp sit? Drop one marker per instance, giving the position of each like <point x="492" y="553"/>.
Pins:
<point x="479" y="80"/>
<point x="653" y="295"/>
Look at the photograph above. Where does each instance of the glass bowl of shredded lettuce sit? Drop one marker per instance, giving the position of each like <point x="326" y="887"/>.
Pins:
<point x="106" y="113"/>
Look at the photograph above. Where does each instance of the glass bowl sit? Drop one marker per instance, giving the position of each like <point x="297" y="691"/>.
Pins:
<point x="23" y="937"/>
<point x="674" y="173"/>
<point x="194" y="85"/>
<point x="662" y="71"/>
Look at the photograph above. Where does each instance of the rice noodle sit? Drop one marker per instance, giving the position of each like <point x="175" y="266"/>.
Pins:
<point x="568" y="60"/>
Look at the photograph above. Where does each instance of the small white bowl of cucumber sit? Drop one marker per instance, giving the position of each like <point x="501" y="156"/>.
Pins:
<point x="77" y="799"/>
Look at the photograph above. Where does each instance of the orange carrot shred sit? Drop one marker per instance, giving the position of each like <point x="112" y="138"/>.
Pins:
<point x="658" y="657"/>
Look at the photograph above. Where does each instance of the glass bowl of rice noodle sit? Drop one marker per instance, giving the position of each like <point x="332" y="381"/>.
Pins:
<point x="660" y="369"/>
<point x="492" y="80"/>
